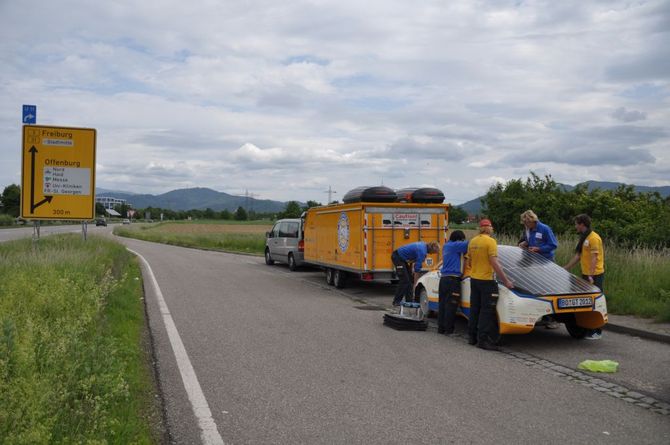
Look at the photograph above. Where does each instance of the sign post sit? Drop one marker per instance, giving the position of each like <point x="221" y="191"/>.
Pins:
<point x="58" y="173"/>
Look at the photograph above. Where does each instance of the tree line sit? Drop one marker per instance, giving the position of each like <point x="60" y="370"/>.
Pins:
<point x="10" y="202"/>
<point x="293" y="209"/>
<point x="621" y="215"/>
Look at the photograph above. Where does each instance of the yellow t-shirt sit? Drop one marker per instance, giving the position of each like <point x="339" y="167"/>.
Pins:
<point x="480" y="248"/>
<point x="592" y="244"/>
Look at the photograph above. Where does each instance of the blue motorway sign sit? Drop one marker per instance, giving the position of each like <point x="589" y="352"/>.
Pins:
<point x="29" y="114"/>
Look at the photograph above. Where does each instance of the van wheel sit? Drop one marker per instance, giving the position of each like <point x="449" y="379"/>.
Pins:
<point x="575" y="331"/>
<point x="339" y="278"/>
<point x="268" y="259"/>
<point x="291" y="263"/>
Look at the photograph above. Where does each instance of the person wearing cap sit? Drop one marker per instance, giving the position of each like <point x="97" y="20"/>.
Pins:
<point x="483" y="262"/>
<point x="410" y="253"/>
<point x="450" y="281"/>
<point x="537" y="236"/>
<point x="591" y="257"/>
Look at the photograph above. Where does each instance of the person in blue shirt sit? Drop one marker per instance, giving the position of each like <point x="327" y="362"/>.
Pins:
<point x="450" y="281"/>
<point x="537" y="237"/>
<point x="401" y="258"/>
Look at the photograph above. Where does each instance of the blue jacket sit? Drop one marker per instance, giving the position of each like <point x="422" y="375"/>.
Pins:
<point x="452" y="253"/>
<point x="543" y="237"/>
<point x="414" y="252"/>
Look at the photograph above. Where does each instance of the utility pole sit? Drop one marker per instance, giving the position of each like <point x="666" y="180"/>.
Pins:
<point x="330" y="192"/>
<point x="247" y="197"/>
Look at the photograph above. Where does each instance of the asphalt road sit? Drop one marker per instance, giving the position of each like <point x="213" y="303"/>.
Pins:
<point x="282" y="358"/>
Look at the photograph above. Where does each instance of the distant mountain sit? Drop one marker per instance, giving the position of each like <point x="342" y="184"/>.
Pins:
<point x="196" y="198"/>
<point x="664" y="191"/>
<point x="107" y="192"/>
<point x="474" y="207"/>
<point x="202" y="198"/>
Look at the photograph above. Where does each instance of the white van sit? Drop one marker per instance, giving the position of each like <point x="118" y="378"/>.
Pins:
<point x="285" y="243"/>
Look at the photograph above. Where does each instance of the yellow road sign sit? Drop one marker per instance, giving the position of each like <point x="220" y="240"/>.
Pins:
<point x="58" y="173"/>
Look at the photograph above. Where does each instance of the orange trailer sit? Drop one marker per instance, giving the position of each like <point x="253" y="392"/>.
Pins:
<point x="357" y="239"/>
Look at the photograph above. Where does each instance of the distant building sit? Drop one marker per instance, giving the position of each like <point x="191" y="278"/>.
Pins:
<point x="108" y="202"/>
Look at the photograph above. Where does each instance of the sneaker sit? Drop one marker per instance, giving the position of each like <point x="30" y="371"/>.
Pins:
<point x="594" y="335"/>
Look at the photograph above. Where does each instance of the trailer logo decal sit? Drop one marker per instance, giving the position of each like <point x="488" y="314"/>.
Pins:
<point x="343" y="232"/>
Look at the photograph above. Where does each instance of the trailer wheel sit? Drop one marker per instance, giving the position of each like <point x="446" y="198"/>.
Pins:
<point x="339" y="278"/>
<point x="330" y="279"/>
<point x="268" y="259"/>
<point x="291" y="263"/>
<point x="575" y="331"/>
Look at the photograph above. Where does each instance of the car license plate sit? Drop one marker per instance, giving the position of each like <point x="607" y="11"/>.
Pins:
<point x="575" y="302"/>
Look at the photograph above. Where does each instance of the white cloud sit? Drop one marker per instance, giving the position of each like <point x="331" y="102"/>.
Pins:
<point x="287" y="99"/>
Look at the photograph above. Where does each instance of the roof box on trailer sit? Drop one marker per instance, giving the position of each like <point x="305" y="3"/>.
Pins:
<point x="424" y="195"/>
<point x="370" y="194"/>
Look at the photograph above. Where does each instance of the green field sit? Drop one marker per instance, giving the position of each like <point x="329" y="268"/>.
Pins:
<point x="73" y="368"/>
<point x="230" y="236"/>
<point x="637" y="281"/>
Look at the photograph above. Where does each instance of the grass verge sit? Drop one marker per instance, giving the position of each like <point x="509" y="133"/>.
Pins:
<point x="72" y="366"/>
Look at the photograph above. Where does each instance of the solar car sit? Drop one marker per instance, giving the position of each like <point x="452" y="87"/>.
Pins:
<point x="541" y="287"/>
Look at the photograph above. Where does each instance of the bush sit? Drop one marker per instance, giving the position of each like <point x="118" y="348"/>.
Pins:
<point x="6" y="220"/>
<point x="621" y="216"/>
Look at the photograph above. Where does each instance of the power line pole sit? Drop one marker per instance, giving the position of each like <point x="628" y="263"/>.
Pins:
<point x="247" y="197"/>
<point x="330" y="192"/>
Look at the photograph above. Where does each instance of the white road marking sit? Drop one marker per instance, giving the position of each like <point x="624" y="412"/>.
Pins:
<point x="208" y="430"/>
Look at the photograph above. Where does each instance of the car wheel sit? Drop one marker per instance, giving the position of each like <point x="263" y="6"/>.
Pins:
<point x="423" y="301"/>
<point x="291" y="263"/>
<point x="339" y="278"/>
<point x="330" y="279"/>
<point x="574" y="330"/>
<point x="268" y="259"/>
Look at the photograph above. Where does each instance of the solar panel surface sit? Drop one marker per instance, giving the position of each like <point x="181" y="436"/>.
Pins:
<point x="533" y="274"/>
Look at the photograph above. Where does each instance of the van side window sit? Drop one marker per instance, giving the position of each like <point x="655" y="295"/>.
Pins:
<point x="275" y="230"/>
<point x="292" y="229"/>
<point x="282" y="227"/>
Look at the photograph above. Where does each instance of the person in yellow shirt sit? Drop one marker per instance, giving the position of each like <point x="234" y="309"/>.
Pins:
<point x="483" y="262"/>
<point x="591" y="257"/>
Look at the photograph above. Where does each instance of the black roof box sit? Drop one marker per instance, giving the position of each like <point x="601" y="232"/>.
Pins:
<point x="423" y="195"/>
<point x="378" y="193"/>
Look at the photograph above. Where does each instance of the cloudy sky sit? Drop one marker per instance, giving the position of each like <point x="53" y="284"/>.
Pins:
<point x="286" y="99"/>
